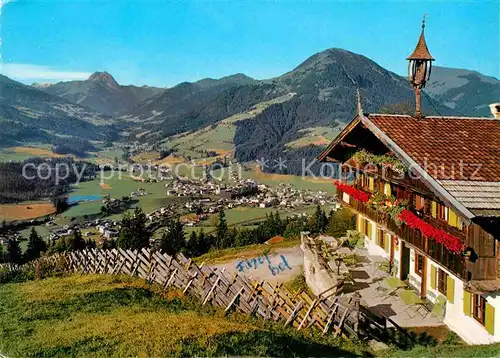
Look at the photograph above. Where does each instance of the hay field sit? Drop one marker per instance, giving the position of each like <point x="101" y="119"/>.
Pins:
<point x="25" y="211"/>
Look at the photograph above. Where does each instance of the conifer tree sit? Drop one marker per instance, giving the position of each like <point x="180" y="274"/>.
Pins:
<point x="36" y="246"/>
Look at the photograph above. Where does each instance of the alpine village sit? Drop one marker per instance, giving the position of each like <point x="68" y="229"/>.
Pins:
<point x="396" y="254"/>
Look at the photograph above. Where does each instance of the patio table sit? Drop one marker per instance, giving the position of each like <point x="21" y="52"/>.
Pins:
<point x="411" y="298"/>
<point x="393" y="285"/>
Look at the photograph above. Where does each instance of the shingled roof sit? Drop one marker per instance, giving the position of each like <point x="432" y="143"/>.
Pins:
<point x="442" y="145"/>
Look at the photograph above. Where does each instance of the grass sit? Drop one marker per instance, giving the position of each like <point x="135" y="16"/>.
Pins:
<point x="315" y="136"/>
<point x="105" y="316"/>
<point x="218" y="256"/>
<point x="298" y="284"/>
<point x="446" y="350"/>
<point x="117" y="186"/>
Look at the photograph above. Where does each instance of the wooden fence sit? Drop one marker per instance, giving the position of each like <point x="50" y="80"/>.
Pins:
<point x="326" y="313"/>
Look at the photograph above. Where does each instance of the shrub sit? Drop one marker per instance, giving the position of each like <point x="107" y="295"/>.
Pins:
<point x="44" y="267"/>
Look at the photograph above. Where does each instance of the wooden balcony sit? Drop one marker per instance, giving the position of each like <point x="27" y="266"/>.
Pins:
<point x="455" y="263"/>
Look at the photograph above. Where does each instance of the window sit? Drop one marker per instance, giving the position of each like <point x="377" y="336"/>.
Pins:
<point x="478" y="307"/>
<point x="442" y="282"/>
<point x="442" y="212"/>
<point x="367" y="226"/>
<point x="419" y="264"/>
<point x="419" y="203"/>
<point x="381" y="238"/>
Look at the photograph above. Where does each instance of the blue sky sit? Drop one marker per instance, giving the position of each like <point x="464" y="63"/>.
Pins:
<point x="164" y="43"/>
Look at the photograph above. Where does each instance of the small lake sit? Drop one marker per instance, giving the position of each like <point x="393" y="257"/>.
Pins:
<point x="79" y="198"/>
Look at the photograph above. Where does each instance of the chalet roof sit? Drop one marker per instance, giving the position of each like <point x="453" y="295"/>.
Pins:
<point x="443" y="145"/>
<point x="481" y="197"/>
<point x="457" y="157"/>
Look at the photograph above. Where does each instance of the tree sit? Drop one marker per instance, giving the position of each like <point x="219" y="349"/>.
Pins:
<point x="74" y="242"/>
<point x="14" y="255"/>
<point x="198" y="243"/>
<point x="319" y="221"/>
<point x="398" y="108"/>
<point x="339" y="222"/>
<point x="221" y="230"/>
<point x="36" y="245"/>
<point x="60" y="203"/>
<point x="134" y="234"/>
<point x="173" y="240"/>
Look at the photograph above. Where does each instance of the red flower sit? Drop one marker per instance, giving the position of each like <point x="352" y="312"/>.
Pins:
<point x="452" y="243"/>
<point x="352" y="191"/>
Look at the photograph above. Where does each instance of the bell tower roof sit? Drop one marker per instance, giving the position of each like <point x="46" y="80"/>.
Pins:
<point x="421" y="51"/>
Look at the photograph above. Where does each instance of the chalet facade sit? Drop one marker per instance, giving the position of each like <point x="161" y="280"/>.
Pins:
<point x="426" y="194"/>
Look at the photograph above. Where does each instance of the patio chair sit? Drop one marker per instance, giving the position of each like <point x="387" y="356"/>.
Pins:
<point x="439" y="308"/>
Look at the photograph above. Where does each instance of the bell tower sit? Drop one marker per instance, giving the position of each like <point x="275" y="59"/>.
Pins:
<point x="419" y="69"/>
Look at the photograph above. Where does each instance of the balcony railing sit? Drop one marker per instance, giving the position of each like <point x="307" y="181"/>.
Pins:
<point x="431" y="248"/>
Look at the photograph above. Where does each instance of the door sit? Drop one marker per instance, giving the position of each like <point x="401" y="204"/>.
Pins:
<point x="405" y="261"/>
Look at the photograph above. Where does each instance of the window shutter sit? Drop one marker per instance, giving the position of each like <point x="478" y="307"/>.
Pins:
<point x="489" y="319"/>
<point x="387" y="189"/>
<point x="434" y="209"/>
<point x="370" y="229"/>
<point x="450" y="289"/>
<point x="467" y="303"/>
<point x="433" y="276"/>
<point x="387" y="243"/>
<point x="452" y="218"/>
<point x="377" y="237"/>
<point x="358" y="223"/>
<point x="371" y="184"/>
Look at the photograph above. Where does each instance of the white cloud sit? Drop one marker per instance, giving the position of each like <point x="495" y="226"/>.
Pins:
<point x="21" y="71"/>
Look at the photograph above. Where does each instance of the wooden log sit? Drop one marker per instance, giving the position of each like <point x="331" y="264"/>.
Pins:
<point x="307" y="314"/>
<point x="233" y="300"/>
<point x="296" y="309"/>
<point x="211" y="290"/>
<point x="170" y="279"/>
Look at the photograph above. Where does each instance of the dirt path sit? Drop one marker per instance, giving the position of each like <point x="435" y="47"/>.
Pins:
<point x="280" y="265"/>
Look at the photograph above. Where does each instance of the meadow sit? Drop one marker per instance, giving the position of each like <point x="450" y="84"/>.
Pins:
<point x="25" y="211"/>
<point x="102" y="316"/>
<point x="105" y="316"/>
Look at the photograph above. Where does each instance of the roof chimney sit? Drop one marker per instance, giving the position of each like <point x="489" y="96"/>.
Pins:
<point x="495" y="110"/>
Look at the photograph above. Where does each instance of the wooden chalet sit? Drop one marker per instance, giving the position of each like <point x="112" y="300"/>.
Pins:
<point x="426" y="193"/>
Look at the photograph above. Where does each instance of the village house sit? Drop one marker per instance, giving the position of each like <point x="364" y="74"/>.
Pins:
<point x="429" y="201"/>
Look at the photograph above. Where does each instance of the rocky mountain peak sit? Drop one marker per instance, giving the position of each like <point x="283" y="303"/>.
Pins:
<point x="105" y="78"/>
<point x="41" y="84"/>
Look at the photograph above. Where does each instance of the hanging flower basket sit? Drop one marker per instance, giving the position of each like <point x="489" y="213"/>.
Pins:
<point x="452" y="243"/>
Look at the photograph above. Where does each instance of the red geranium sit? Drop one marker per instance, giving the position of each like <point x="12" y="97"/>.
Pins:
<point x="352" y="191"/>
<point x="452" y="243"/>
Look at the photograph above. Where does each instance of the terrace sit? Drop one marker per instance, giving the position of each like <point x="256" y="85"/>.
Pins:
<point x="412" y="237"/>
<point x="387" y="296"/>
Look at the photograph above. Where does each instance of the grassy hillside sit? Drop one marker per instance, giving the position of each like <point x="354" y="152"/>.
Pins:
<point x="98" y="315"/>
<point x="120" y="316"/>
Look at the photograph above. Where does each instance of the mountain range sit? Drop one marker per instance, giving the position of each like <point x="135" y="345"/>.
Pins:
<point x="101" y="93"/>
<point x="28" y="114"/>
<point x="323" y="89"/>
<point x="467" y="92"/>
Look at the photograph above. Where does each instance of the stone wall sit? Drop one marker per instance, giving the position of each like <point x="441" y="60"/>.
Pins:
<point x="318" y="275"/>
